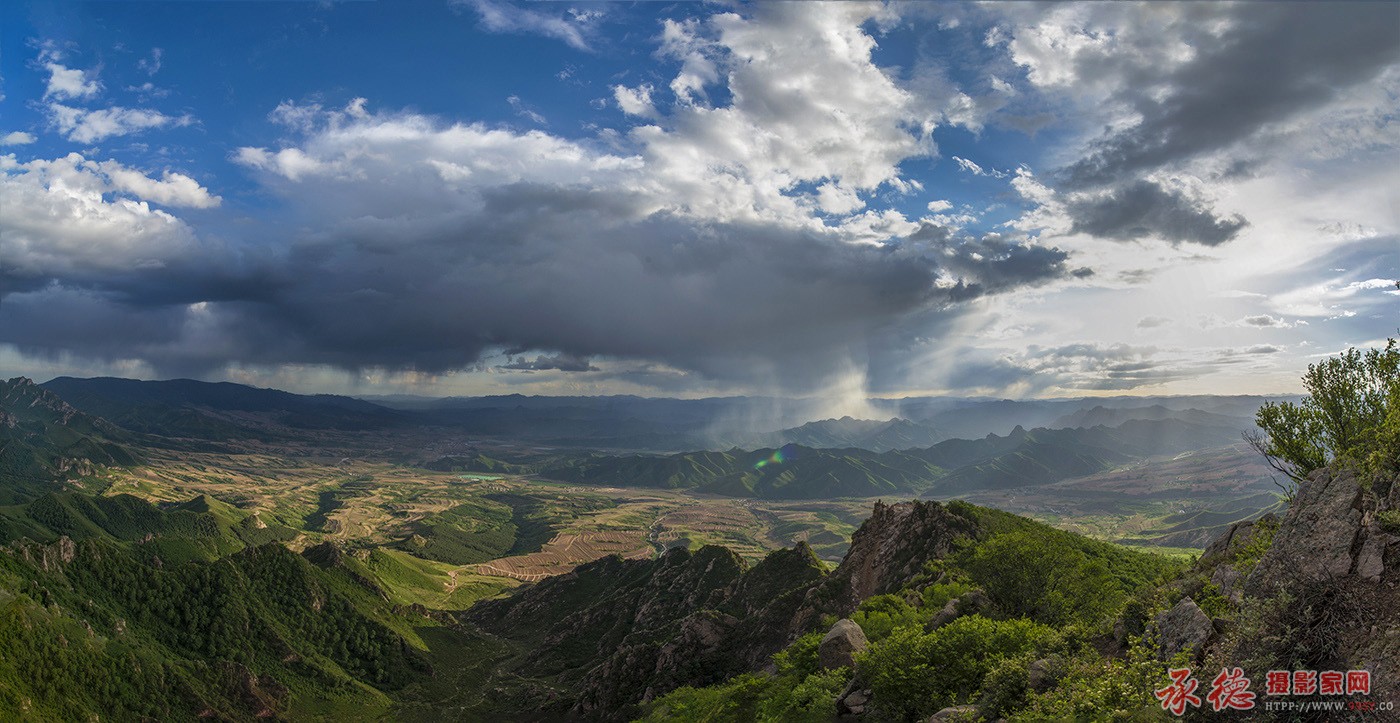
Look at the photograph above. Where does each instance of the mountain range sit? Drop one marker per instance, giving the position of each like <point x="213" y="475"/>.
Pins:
<point x="1019" y="459"/>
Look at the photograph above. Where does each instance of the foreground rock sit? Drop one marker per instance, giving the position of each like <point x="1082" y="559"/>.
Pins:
<point x="838" y="649"/>
<point x="954" y="714"/>
<point x="1326" y="594"/>
<point x="1184" y="628"/>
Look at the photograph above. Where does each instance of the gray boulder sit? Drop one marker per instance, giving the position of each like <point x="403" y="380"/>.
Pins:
<point x="1230" y="582"/>
<point x="955" y="713"/>
<point x="854" y="702"/>
<point x="1235" y="538"/>
<point x="840" y="645"/>
<point x="970" y="603"/>
<point x="1040" y="675"/>
<point x="1184" y="627"/>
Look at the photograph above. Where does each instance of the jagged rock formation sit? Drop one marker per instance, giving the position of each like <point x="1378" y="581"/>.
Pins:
<point x="886" y="552"/>
<point x="622" y="632"/>
<point x="1326" y="594"/>
<point x="1329" y="534"/>
<point x="1236" y="537"/>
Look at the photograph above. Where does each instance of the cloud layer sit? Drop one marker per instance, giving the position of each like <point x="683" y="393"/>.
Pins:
<point x="784" y="197"/>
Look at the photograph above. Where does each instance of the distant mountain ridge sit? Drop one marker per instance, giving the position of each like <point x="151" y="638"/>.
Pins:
<point x="1019" y="459"/>
<point x="215" y="410"/>
<point x="222" y="411"/>
<point x="846" y="432"/>
<point x="1112" y="417"/>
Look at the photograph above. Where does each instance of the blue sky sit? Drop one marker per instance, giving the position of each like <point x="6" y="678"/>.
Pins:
<point x="698" y="198"/>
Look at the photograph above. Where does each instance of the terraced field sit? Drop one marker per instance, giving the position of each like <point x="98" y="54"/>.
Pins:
<point x="461" y="535"/>
<point x="565" y="552"/>
<point x="445" y="539"/>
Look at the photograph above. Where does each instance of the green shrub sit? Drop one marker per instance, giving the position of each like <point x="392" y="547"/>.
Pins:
<point x="736" y="700"/>
<point x="1212" y="602"/>
<point x="1006" y="686"/>
<point x="1351" y="413"/>
<point x="1096" y="688"/>
<point x="1050" y="583"/>
<point x="813" y="699"/>
<point x="938" y="594"/>
<point x="881" y="615"/>
<point x="913" y="673"/>
<point x="799" y="659"/>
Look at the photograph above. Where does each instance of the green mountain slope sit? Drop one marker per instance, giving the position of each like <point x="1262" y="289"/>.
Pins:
<point x="125" y="630"/>
<point x="46" y="444"/>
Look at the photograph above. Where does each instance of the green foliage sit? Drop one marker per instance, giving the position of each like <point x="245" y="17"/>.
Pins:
<point x="937" y="594"/>
<point x="1351" y="413"/>
<point x="914" y="674"/>
<point x="1006" y="686"/>
<point x="1131" y="569"/>
<point x="468" y="533"/>
<point x="811" y="699"/>
<point x="1259" y="543"/>
<point x="799" y="659"/>
<point x="1389" y="520"/>
<point x="494" y="526"/>
<point x="44" y="442"/>
<point x="800" y="691"/>
<point x="733" y="701"/>
<point x="1050" y="583"/>
<point x="881" y="615"/>
<point x="1211" y="602"/>
<point x="165" y="628"/>
<point x="1096" y="688"/>
<point x="1072" y="585"/>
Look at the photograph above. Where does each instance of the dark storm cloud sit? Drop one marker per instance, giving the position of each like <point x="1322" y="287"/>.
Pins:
<point x="568" y="273"/>
<point x="991" y="263"/>
<point x="1145" y="209"/>
<point x="560" y="362"/>
<point x="1272" y="62"/>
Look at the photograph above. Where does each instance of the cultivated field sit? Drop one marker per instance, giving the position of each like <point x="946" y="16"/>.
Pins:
<point x="565" y="552"/>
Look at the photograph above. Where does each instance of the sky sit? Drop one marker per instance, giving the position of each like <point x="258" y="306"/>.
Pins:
<point x="844" y="200"/>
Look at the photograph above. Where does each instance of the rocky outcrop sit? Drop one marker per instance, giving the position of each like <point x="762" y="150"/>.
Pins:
<point x="839" y="647"/>
<point x="1331" y="578"/>
<point x="1230" y="582"/>
<point x="1320" y="537"/>
<point x="622" y="632"/>
<point x="625" y="631"/>
<point x="886" y="553"/>
<point x="47" y="445"/>
<point x="1185" y="627"/>
<point x="854" y="701"/>
<point x="1235" y="538"/>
